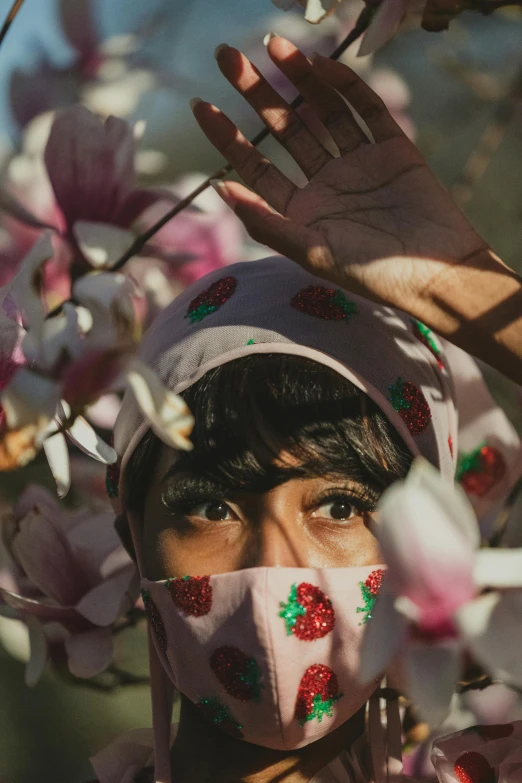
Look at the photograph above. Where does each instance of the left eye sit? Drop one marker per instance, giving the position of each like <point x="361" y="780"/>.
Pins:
<point x="338" y="509"/>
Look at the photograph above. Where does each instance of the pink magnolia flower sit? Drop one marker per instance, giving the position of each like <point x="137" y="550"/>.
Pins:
<point x="432" y="609"/>
<point x="127" y="756"/>
<point x="75" y="581"/>
<point x="91" y="169"/>
<point x="198" y="240"/>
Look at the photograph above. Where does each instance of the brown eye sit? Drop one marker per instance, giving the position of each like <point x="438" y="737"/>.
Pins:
<point x="340" y="510"/>
<point x="213" y="512"/>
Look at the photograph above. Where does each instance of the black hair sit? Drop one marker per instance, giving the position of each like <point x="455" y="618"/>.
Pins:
<point x="250" y="410"/>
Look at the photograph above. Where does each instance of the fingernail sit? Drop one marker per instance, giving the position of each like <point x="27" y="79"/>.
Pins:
<point x="268" y="37"/>
<point x="194" y="102"/>
<point x="219" y="49"/>
<point x="316" y="56"/>
<point x="223" y="191"/>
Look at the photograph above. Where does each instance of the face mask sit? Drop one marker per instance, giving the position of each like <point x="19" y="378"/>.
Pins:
<point x="269" y="655"/>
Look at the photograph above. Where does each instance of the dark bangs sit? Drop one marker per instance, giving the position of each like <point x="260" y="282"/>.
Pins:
<point x="253" y="411"/>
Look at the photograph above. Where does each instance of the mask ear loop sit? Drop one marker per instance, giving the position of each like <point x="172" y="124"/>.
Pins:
<point x="385" y="740"/>
<point x="162" y="697"/>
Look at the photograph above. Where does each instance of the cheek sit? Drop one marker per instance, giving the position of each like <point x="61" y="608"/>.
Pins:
<point x="215" y="552"/>
<point x="348" y="548"/>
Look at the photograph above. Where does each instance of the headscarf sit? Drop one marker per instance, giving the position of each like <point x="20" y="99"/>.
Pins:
<point x="431" y="392"/>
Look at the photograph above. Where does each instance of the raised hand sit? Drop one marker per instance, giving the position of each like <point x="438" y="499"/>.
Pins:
<point x="372" y="218"/>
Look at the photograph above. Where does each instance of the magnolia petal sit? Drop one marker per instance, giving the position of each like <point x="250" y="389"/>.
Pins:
<point x="450" y="498"/>
<point x="90" y="164"/>
<point x="429" y="560"/>
<point x="43" y="551"/>
<point x="26" y="286"/>
<point x="492" y="627"/>
<point x="110" y="298"/>
<point x="58" y="458"/>
<point x="46" y="611"/>
<point x="89" y="653"/>
<point x="11" y="205"/>
<point x="56" y="342"/>
<point x="140" y="200"/>
<point x="38" y="644"/>
<point x="102" y="605"/>
<point x="167" y="413"/>
<point x="125" y="757"/>
<point x="384" y="25"/>
<point x="102" y="244"/>
<point x="500" y="568"/>
<point x="82" y="435"/>
<point x="317" y="10"/>
<point x="384" y="635"/>
<point x="432" y="673"/>
<point x="29" y="398"/>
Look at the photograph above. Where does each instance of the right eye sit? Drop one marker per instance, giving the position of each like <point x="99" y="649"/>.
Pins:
<point x="212" y="512"/>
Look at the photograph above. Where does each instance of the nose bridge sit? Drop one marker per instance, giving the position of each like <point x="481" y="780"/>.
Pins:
<point x="280" y="543"/>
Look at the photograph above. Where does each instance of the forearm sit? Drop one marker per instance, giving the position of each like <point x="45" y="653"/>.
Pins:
<point x="477" y="305"/>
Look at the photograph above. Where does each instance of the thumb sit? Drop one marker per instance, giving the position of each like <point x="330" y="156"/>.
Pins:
<point x="303" y="245"/>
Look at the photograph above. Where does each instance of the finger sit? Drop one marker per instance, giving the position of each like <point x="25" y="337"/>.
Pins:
<point x="331" y="109"/>
<point x="253" y="167"/>
<point x="283" y="122"/>
<point x="363" y="99"/>
<point x="303" y="245"/>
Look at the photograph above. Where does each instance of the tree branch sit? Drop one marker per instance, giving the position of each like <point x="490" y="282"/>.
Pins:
<point x="10" y="19"/>
<point x="360" y="26"/>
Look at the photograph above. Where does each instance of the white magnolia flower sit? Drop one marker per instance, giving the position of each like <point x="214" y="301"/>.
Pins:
<point x="432" y="608"/>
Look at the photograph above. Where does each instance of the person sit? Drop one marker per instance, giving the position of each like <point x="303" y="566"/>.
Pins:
<point x="372" y="218"/>
<point x="255" y="549"/>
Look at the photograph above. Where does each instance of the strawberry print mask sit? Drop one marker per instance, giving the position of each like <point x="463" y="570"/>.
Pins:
<point x="430" y="391"/>
<point x="272" y="656"/>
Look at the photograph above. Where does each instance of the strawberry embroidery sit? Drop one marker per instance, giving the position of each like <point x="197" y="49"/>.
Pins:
<point x="191" y="594"/>
<point x="239" y="674"/>
<point x="370" y="590"/>
<point x="472" y="767"/>
<point x="211" y="299"/>
<point x="425" y="336"/>
<point x="218" y="714"/>
<point x="154" y="619"/>
<point x="411" y="405"/>
<point x="478" y="471"/>
<point x="327" y="303"/>
<point x="308" y="613"/>
<point x="318" y="692"/>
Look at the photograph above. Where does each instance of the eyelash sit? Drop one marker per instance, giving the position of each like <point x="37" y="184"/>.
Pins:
<point x="183" y="502"/>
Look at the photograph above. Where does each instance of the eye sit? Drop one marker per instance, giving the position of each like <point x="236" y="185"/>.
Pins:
<point x="339" y="509"/>
<point x="212" y="512"/>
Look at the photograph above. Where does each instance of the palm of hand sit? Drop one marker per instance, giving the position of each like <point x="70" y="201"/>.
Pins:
<point x="376" y="202"/>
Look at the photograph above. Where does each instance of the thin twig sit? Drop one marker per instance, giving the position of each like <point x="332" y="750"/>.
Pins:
<point x="10" y="19"/>
<point x="360" y="26"/>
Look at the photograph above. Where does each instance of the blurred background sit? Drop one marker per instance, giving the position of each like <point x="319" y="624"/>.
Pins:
<point x="458" y="94"/>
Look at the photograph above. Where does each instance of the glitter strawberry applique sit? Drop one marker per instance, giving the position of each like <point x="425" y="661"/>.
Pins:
<point x="478" y="471"/>
<point x="191" y="594"/>
<point x="472" y="767"/>
<point x="370" y="590"/>
<point x="154" y="619"/>
<point x="425" y="336"/>
<point x="318" y="692"/>
<point x="411" y="405"/>
<point x="211" y="299"/>
<point x="327" y="303"/>
<point x="218" y="713"/>
<point x="238" y="673"/>
<point x="308" y="613"/>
